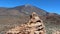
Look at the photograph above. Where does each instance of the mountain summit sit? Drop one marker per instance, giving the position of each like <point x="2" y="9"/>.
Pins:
<point x="28" y="9"/>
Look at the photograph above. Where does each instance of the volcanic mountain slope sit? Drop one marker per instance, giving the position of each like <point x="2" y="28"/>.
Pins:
<point x="11" y="17"/>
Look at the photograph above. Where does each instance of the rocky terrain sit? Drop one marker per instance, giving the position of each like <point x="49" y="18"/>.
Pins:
<point x="11" y="17"/>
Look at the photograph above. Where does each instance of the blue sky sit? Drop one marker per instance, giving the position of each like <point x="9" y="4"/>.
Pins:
<point x="52" y="6"/>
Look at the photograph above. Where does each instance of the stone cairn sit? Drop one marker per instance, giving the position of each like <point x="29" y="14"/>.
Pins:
<point x="34" y="26"/>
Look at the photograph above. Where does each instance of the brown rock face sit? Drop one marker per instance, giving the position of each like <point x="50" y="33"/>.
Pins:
<point x="34" y="26"/>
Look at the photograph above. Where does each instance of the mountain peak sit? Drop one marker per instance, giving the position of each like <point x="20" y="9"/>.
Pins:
<point x="28" y="5"/>
<point x="28" y="9"/>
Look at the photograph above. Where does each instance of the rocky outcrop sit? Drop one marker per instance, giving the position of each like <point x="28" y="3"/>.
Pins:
<point x="34" y="26"/>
